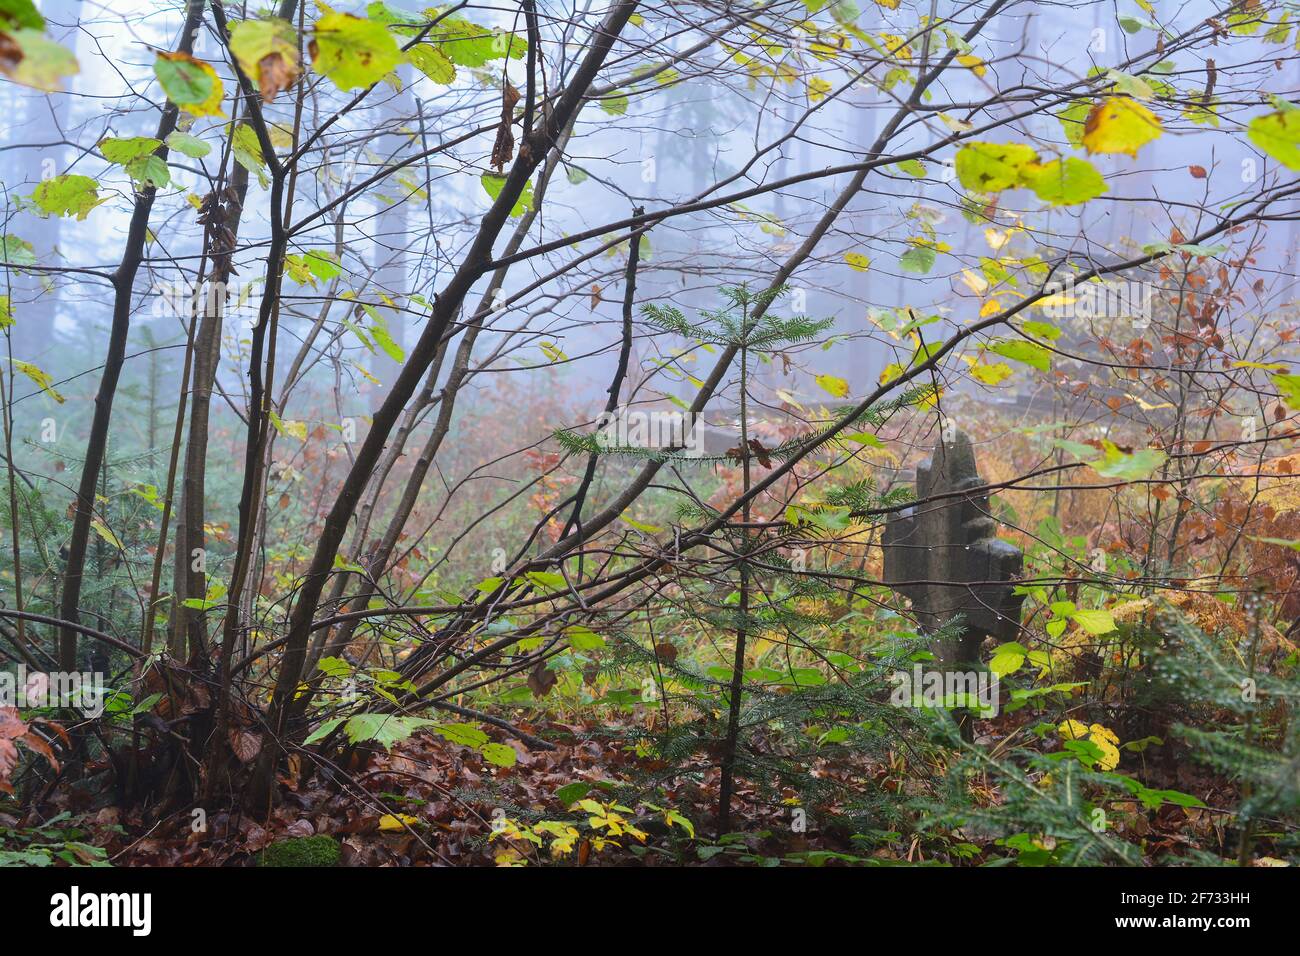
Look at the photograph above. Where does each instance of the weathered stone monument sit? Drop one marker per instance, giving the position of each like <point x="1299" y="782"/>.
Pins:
<point x="945" y="556"/>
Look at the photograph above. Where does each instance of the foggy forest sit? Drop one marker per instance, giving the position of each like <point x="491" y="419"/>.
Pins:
<point x="744" y="433"/>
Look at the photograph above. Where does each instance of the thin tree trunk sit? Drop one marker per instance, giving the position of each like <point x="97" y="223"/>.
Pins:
<point x="123" y="286"/>
<point x="477" y="260"/>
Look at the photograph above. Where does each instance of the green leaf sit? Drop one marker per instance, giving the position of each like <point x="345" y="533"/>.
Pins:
<point x="67" y="195"/>
<point x="353" y="52"/>
<point x="1279" y="542"/>
<point x="571" y="793"/>
<point x="433" y="63"/>
<point x="1066" y="184"/>
<point x="466" y="735"/>
<point x="673" y="818"/>
<point x="1041" y="330"/>
<point x="324" y="730"/>
<point x="384" y="729"/>
<point x="123" y="151"/>
<point x="334" y="666"/>
<point x="918" y="260"/>
<point x="492" y="185"/>
<point x="641" y="525"/>
<point x="1130" y="467"/>
<point x="1288" y="387"/>
<point x="188" y="145"/>
<point x="615" y="105"/>
<point x="547" y="580"/>
<point x="190" y="83"/>
<point x="1072" y="120"/>
<point x="1094" y="622"/>
<point x="993" y="167"/>
<point x="468" y="44"/>
<point x="149" y="171"/>
<point x="16" y="251"/>
<point x="1278" y="135"/>
<point x="20" y="13"/>
<point x="248" y="152"/>
<point x="583" y="638"/>
<point x="1027" y="353"/>
<point x="502" y="755"/>
<point x="386" y="342"/>
<point x="1007" y="658"/>
<point x="826" y="518"/>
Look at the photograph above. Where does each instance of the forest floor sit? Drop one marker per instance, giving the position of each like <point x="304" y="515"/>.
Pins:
<point x="430" y="802"/>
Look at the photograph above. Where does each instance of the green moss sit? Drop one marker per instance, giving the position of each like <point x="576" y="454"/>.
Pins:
<point x="317" y="850"/>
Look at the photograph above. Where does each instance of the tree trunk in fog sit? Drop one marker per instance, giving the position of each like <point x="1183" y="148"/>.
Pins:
<point x="392" y="236"/>
<point x="43" y="121"/>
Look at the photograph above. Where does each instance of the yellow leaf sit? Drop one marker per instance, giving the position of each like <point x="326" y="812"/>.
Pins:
<point x="41" y="377"/>
<point x="1119" y="125"/>
<point x="399" y="821"/>
<point x="297" y="430"/>
<point x="1145" y="405"/>
<point x="974" y="281"/>
<point x="991" y="374"/>
<point x="1097" y="730"/>
<point x="640" y="526"/>
<point x="1109" y="753"/>
<point x="973" y="63"/>
<point x="835" y="386"/>
<point x="857" y="261"/>
<point x="104" y="531"/>
<point x="1266" y="366"/>
<point x="997" y="238"/>
<point x="1073" y="730"/>
<point x="818" y="88"/>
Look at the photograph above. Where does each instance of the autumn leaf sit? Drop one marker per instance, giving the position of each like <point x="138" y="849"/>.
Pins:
<point x="29" y="57"/>
<point x="1278" y="135"/>
<point x="41" y="377"/>
<point x="541" y="680"/>
<point x="834" y="385"/>
<point x="245" y="744"/>
<point x="67" y="195"/>
<point x="1119" y="125"/>
<point x="857" y="261"/>
<point x="993" y="167"/>
<point x="296" y="430"/>
<point x="267" y="52"/>
<point x="190" y="83"/>
<point x="353" y="52"/>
